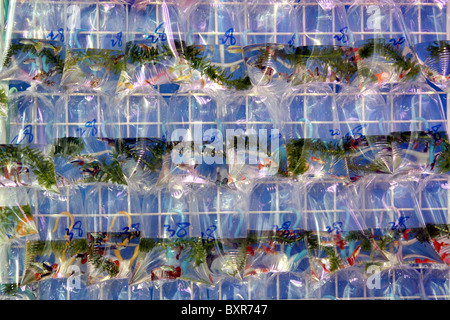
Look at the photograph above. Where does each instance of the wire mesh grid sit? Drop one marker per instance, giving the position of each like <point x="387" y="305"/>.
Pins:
<point x="278" y="286"/>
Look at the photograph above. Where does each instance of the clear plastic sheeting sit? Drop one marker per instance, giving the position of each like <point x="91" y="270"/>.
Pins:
<point x="224" y="150"/>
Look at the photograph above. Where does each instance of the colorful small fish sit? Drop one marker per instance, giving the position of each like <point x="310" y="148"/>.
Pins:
<point x="285" y="76"/>
<point x="268" y="71"/>
<point x="266" y="164"/>
<point x="29" y="60"/>
<point x="40" y="76"/>
<point x="180" y="66"/>
<point x="440" y="78"/>
<point x="315" y="73"/>
<point x="404" y="73"/>
<point x="334" y="77"/>
<point x="55" y="268"/>
<point x="338" y="241"/>
<point x="25" y="228"/>
<point x="143" y="46"/>
<point x="97" y="66"/>
<point x="83" y="256"/>
<point x="56" y="50"/>
<point x="416" y="144"/>
<point x="439" y="245"/>
<point x="339" y="177"/>
<point x="250" y="251"/>
<point x="118" y="58"/>
<point x="355" y="178"/>
<point x="382" y="77"/>
<point x="202" y="48"/>
<point x="270" y="249"/>
<point x="253" y="272"/>
<point x="39" y="46"/>
<point x="94" y="82"/>
<point x="357" y="57"/>
<point x="325" y="267"/>
<point x="405" y="234"/>
<point x="165" y="272"/>
<point x="183" y="78"/>
<point x="318" y="160"/>
<point x="436" y="156"/>
<point x="424" y="261"/>
<point x="352" y="259"/>
<point x="357" y="143"/>
<point x="234" y="68"/>
<point x="235" y="49"/>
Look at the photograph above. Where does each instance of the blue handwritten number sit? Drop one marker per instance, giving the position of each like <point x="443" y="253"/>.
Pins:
<point x="336" y="226"/>
<point x="27" y="131"/>
<point x="343" y="37"/>
<point x="434" y="132"/>
<point x="355" y="132"/>
<point x="181" y="229"/>
<point x="397" y="42"/>
<point x="285" y="228"/>
<point x="292" y="41"/>
<point x="76" y="226"/>
<point x="127" y="232"/>
<point x="160" y="35"/>
<point x="52" y="36"/>
<point x="118" y="40"/>
<point x="229" y="35"/>
<point x="209" y="234"/>
<point x="335" y="132"/>
<point x="89" y="124"/>
<point x="180" y="232"/>
<point x="168" y="229"/>
<point x="400" y="224"/>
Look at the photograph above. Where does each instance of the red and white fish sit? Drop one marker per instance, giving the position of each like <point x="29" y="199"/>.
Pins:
<point x="382" y="77"/>
<point x="352" y="259"/>
<point x="318" y="160"/>
<point x="165" y="272"/>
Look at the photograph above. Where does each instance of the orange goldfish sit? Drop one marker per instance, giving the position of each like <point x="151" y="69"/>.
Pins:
<point x="318" y="160"/>
<point x="382" y="76"/>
